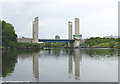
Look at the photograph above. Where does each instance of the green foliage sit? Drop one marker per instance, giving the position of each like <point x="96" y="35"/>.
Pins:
<point x="9" y="59"/>
<point x="101" y="42"/>
<point x="9" y="38"/>
<point x="55" y="44"/>
<point x="112" y="44"/>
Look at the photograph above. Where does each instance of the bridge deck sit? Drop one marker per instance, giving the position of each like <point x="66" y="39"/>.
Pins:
<point x="56" y="40"/>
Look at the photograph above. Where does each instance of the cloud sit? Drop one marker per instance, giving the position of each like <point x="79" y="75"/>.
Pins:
<point x="97" y="18"/>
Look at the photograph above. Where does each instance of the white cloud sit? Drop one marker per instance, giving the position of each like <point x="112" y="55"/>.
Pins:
<point x="98" y="18"/>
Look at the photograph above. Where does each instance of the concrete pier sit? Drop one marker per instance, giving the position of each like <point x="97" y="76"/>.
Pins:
<point x="77" y="35"/>
<point x="35" y="30"/>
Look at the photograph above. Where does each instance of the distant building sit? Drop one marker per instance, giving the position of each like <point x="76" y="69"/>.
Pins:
<point x="111" y="36"/>
<point x="35" y="37"/>
<point x="24" y="39"/>
<point x="57" y="37"/>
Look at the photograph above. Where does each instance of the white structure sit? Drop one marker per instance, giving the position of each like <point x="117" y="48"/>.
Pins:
<point x="77" y="36"/>
<point x="70" y="32"/>
<point x="35" y="30"/>
<point x="76" y="26"/>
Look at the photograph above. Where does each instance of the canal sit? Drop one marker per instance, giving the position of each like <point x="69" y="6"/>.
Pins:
<point x="61" y="65"/>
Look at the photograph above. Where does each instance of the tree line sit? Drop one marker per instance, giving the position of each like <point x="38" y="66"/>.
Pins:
<point x="101" y="42"/>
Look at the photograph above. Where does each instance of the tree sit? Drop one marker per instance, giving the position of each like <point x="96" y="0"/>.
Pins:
<point x="9" y="38"/>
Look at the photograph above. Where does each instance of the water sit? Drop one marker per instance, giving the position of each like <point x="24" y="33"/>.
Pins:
<point x="61" y="65"/>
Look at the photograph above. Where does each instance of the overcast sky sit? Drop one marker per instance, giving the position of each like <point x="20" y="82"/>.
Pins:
<point x="97" y="17"/>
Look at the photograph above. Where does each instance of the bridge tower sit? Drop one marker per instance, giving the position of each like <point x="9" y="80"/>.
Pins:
<point x="70" y="33"/>
<point x="77" y="35"/>
<point x="35" y="30"/>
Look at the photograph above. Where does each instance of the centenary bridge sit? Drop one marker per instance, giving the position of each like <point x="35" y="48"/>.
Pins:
<point x="56" y="40"/>
<point x="73" y="40"/>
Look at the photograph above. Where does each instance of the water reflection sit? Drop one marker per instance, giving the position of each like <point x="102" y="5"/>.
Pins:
<point x="77" y="59"/>
<point x="60" y="65"/>
<point x="100" y="52"/>
<point x="70" y="66"/>
<point x="0" y="64"/>
<point x="36" y="65"/>
<point x="9" y="59"/>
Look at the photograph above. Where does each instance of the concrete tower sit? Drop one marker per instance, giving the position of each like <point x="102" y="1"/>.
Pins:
<point x="76" y="26"/>
<point x="69" y="30"/>
<point x="35" y="30"/>
<point x="77" y="35"/>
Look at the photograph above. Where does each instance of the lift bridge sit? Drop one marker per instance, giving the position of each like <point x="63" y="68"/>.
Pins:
<point x="75" y="42"/>
<point x="56" y="40"/>
<point x="72" y="42"/>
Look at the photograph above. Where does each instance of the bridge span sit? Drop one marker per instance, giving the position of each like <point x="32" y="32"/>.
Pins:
<point x="56" y="40"/>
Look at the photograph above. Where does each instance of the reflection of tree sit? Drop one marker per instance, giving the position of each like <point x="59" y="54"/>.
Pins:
<point x="56" y="52"/>
<point x="8" y="62"/>
<point x="20" y="52"/>
<point x="118" y="52"/>
<point x="101" y="52"/>
<point x="0" y="63"/>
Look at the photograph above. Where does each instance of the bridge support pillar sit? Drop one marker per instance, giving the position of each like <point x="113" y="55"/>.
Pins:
<point x="70" y="44"/>
<point x="77" y="43"/>
<point x="77" y="36"/>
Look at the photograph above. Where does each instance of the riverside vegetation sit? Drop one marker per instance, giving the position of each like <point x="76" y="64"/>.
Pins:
<point x="9" y="41"/>
<point x="101" y="42"/>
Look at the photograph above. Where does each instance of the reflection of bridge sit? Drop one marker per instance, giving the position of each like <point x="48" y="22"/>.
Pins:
<point x="56" y="40"/>
<point x="74" y="57"/>
<point x="77" y="59"/>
